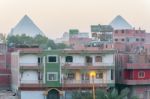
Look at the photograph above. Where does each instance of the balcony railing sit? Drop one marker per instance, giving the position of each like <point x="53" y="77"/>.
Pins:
<point x="86" y="83"/>
<point x="138" y="66"/>
<point x="31" y="83"/>
<point x="30" y="66"/>
<point x="87" y="66"/>
<point x="137" y="82"/>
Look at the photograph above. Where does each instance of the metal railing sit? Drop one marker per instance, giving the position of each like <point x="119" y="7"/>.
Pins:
<point x="31" y="66"/>
<point x="87" y="64"/>
<point x="88" y="81"/>
<point x="31" y="83"/>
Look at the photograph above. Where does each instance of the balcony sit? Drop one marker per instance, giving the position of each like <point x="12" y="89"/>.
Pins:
<point x="33" y="84"/>
<point x="137" y="66"/>
<point x="137" y="82"/>
<point x="87" y="66"/>
<point x="85" y="83"/>
<point x="30" y="66"/>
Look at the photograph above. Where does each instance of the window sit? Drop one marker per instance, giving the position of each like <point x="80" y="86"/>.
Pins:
<point x="69" y="59"/>
<point x="94" y="34"/>
<point x="122" y="39"/>
<point x="142" y="39"/>
<point x="98" y="59"/>
<point x="85" y="76"/>
<point x="137" y="39"/>
<point x="52" y="76"/>
<point x="106" y="46"/>
<point x="89" y="59"/>
<point x="52" y="59"/>
<point x="116" y="39"/>
<point x="39" y="60"/>
<point x="70" y="76"/>
<point x="141" y="74"/>
<point x="99" y="75"/>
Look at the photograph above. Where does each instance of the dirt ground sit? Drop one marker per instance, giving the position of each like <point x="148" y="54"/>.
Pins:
<point x="7" y="95"/>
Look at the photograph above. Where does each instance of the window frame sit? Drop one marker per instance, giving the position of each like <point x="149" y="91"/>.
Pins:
<point x="66" y="59"/>
<point x="100" y="57"/>
<point x="99" y="75"/>
<point x="137" y="39"/>
<point x="55" y="73"/>
<point x="142" y="39"/>
<point x="116" y="39"/>
<point x="122" y="39"/>
<point x="52" y="56"/>
<point x="72" y="74"/>
<point x="139" y="76"/>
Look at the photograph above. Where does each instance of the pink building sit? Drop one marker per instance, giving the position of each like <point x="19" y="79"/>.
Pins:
<point x="129" y="40"/>
<point x="133" y="61"/>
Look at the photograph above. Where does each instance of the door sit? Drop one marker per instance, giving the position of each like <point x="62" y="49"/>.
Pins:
<point x="53" y="94"/>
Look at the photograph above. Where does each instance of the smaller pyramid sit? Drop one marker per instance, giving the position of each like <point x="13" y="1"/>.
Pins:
<point x="26" y="26"/>
<point x="119" y="23"/>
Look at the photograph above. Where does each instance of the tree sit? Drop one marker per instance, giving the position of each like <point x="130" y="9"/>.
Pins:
<point x="81" y="95"/>
<point x="61" y="46"/>
<point x="41" y="41"/>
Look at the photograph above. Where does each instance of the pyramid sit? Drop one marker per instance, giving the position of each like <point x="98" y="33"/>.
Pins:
<point x="26" y="26"/>
<point x="120" y="23"/>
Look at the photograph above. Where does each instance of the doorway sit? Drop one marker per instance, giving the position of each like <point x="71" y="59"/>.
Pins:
<point x="53" y="94"/>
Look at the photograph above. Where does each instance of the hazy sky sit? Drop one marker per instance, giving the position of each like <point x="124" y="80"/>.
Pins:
<point x="57" y="16"/>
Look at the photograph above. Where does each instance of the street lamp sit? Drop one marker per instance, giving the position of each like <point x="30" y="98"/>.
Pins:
<point x="93" y="74"/>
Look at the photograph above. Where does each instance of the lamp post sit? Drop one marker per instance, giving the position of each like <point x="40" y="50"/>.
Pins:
<point x="92" y="74"/>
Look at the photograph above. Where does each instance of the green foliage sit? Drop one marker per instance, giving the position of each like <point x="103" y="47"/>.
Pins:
<point x="61" y="46"/>
<point x="101" y="94"/>
<point x="41" y="41"/>
<point x="81" y="95"/>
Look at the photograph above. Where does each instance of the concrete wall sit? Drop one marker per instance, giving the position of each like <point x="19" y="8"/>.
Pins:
<point x="109" y="58"/>
<point x="29" y="60"/>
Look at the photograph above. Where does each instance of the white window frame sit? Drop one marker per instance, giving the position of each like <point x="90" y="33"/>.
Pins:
<point x="55" y="73"/>
<point x="66" y="57"/>
<point x="139" y="74"/>
<point x="52" y="56"/>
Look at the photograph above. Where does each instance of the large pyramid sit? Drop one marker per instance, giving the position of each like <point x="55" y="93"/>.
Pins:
<point x="26" y="26"/>
<point x="119" y="23"/>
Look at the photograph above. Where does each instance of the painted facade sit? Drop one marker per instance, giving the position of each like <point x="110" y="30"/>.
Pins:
<point x="44" y="74"/>
<point x="77" y="65"/>
<point x="133" y="72"/>
<point x="27" y="70"/>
